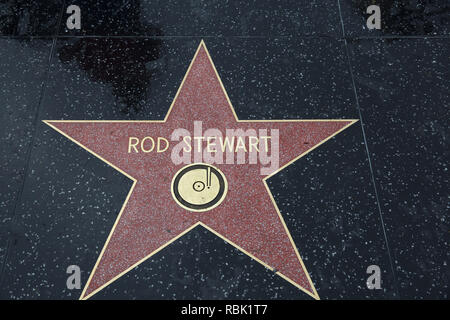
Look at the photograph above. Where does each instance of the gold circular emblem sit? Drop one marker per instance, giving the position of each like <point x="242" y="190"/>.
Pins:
<point x="199" y="187"/>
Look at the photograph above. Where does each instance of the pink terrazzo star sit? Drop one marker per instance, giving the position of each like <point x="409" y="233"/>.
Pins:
<point x="150" y="218"/>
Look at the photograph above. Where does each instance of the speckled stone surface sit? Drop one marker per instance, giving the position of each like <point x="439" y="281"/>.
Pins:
<point x="403" y="88"/>
<point x="289" y="77"/>
<point x="276" y="61"/>
<point x="23" y="67"/>
<point x="398" y="18"/>
<point x="209" y="18"/>
<point x="30" y="17"/>
<point x="328" y="199"/>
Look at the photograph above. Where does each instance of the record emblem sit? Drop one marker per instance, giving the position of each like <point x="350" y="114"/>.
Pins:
<point x="199" y="187"/>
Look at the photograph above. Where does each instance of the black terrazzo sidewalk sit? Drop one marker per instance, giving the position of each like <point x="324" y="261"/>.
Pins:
<point x="374" y="194"/>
